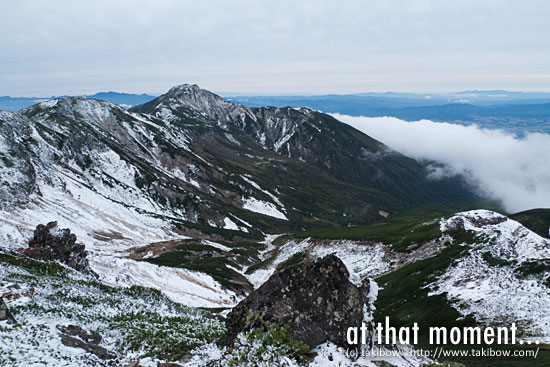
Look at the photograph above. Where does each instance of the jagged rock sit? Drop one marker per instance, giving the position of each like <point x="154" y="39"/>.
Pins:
<point x="52" y="243"/>
<point x="5" y="313"/>
<point x="76" y="330"/>
<point x="316" y="299"/>
<point x="76" y="337"/>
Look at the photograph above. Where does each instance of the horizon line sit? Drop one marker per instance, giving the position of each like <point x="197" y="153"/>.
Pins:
<point x="297" y="94"/>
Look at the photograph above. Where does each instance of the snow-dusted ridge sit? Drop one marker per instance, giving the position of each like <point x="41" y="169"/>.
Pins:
<point x="497" y="294"/>
<point x="509" y="239"/>
<point x="472" y="284"/>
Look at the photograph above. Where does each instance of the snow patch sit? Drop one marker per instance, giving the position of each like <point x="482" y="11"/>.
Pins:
<point x="263" y="207"/>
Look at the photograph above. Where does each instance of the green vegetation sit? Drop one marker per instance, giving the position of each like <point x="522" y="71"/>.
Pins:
<point x="198" y="247"/>
<point x="495" y="261"/>
<point x="533" y="267"/>
<point x="211" y="265"/>
<point x="294" y="259"/>
<point x="537" y="220"/>
<point x="227" y="234"/>
<point x="166" y="337"/>
<point x="36" y="267"/>
<point x="194" y="255"/>
<point x="264" y="347"/>
<point x="414" y="226"/>
<point x="136" y="321"/>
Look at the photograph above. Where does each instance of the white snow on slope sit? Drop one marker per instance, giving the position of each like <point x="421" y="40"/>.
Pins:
<point x="229" y="224"/>
<point x="263" y="207"/>
<point x="363" y="260"/>
<point x="285" y="252"/>
<point x="108" y="230"/>
<point x="273" y="197"/>
<point x="180" y="285"/>
<point x="493" y="293"/>
<point x="74" y="298"/>
<point x="510" y="239"/>
<point x="102" y="205"/>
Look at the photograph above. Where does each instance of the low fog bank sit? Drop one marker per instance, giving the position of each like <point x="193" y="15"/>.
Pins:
<point x="502" y="166"/>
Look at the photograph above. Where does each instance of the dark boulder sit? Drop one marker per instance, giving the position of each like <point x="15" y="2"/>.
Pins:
<point x="51" y="243"/>
<point x="315" y="299"/>
<point x="5" y="313"/>
<point x="76" y="337"/>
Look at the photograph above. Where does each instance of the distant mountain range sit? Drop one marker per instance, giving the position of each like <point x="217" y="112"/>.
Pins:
<point x="399" y="100"/>
<point x="516" y="112"/>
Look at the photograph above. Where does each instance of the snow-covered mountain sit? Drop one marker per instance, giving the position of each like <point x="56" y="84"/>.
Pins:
<point x="203" y="199"/>
<point x="190" y="164"/>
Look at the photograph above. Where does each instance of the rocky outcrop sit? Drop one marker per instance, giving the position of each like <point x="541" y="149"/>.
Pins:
<point x="5" y="313"/>
<point x="51" y="243"/>
<point x="76" y="337"/>
<point x="476" y="218"/>
<point x="315" y="299"/>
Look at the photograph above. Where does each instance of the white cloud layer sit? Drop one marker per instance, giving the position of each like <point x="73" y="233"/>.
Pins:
<point x="511" y="169"/>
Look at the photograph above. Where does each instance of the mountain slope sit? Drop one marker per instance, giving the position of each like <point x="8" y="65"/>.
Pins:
<point x="314" y="138"/>
<point x="189" y="194"/>
<point x="190" y="165"/>
<point x="473" y="268"/>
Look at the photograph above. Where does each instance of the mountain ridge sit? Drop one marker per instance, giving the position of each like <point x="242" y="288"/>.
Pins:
<point x="298" y="132"/>
<point x="161" y="173"/>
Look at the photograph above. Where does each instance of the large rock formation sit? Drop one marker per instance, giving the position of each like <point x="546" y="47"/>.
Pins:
<point x="52" y="243"/>
<point x="316" y="299"/>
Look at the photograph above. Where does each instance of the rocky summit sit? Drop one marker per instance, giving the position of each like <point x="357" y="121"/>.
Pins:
<point x="315" y="299"/>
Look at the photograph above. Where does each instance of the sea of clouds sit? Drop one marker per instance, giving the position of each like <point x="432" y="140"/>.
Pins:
<point x="511" y="169"/>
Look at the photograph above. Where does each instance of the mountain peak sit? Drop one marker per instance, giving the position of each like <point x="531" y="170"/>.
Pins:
<point x="185" y="87"/>
<point x="70" y="105"/>
<point x="88" y="111"/>
<point x="191" y="101"/>
<point x="193" y="95"/>
<point x="72" y="101"/>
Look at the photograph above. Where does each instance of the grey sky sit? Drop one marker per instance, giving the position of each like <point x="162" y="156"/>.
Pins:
<point x="276" y="47"/>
